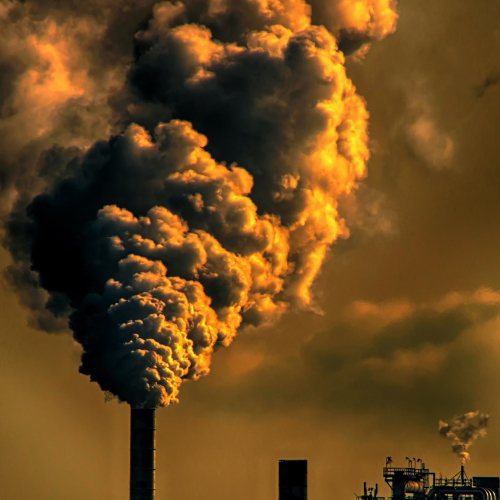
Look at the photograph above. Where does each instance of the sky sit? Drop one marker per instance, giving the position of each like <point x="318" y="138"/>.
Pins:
<point x="403" y="328"/>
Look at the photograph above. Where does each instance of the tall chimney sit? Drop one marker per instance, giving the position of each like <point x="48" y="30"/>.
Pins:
<point x="142" y="454"/>
<point x="293" y="480"/>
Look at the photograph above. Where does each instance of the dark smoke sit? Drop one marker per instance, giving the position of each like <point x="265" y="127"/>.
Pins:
<point x="215" y="207"/>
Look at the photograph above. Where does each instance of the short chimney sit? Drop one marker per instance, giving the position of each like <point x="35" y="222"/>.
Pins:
<point x="293" y="480"/>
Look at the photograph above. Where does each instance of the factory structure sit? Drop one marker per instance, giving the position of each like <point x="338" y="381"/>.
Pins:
<point x="414" y="482"/>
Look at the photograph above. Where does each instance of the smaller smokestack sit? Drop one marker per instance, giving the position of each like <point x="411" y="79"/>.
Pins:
<point x="293" y="480"/>
<point x="142" y="454"/>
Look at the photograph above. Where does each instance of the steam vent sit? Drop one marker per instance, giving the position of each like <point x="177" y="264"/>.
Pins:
<point x="293" y="480"/>
<point x="416" y="482"/>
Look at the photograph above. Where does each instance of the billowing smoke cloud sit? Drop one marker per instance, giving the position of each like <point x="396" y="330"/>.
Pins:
<point x="355" y="23"/>
<point x="463" y="431"/>
<point x="216" y="206"/>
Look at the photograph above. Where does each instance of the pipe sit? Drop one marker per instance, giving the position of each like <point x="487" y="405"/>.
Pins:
<point x="142" y="454"/>
<point x="474" y="492"/>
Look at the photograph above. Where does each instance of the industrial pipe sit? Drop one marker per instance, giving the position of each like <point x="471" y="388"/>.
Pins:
<point x="142" y="454"/>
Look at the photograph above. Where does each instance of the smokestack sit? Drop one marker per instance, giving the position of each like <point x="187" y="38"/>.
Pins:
<point x="293" y="480"/>
<point x="142" y="454"/>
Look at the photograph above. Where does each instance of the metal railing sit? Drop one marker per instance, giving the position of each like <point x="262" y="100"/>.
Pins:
<point x="401" y="498"/>
<point x="453" y="482"/>
<point x="388" y="471"/>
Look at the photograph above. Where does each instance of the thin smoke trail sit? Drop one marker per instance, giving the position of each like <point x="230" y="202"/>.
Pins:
<point x="463" y="430"/>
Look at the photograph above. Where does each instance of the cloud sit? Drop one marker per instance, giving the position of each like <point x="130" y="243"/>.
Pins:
<point x="393" y="358"/>
<point x="490" y="81"/>
<point x="425" y="137"/>
<point x="368" y="213"/>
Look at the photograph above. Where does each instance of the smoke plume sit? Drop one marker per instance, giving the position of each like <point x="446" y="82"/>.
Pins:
<point x="463" y="431"/>
<point x="215" y="207"/>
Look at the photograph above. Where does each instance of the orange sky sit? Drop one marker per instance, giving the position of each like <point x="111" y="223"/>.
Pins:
<point x="408" y="333"/>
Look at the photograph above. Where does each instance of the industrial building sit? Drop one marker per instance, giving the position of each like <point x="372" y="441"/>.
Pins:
<point x="413" y="482"/>
<point x="416" y="482"/>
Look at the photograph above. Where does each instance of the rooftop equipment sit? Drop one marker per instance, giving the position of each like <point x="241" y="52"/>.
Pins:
<point x="419" y="483"/>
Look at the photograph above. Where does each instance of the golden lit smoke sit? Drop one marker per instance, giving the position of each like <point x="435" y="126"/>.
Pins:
<point x="463" y="431"/>
<point x="370" y="19"/>
<point x="215" y="208"/>
<point x="49" y="92"/>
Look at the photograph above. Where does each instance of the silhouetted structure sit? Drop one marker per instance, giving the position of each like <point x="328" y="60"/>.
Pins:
<point x="142" y="454"/>
<point x="293" y="480"/>
<point x="419" y="483"/>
